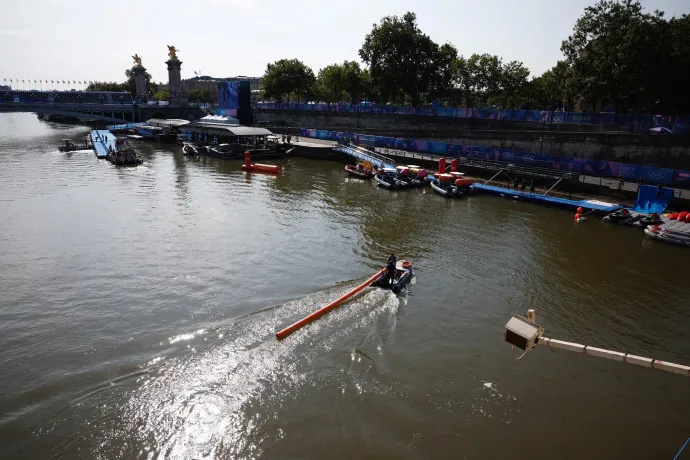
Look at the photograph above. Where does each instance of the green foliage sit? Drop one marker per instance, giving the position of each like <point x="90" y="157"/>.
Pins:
<point x="129" y="85"/>
<point x="630" y="59"/>
<point x="342" y="82"/>
<point x="406" y="66"/>
<point x="617" y="54"/>
<point x="199" y="95"/>
<point x="288" y="79"/>
<point x="162" y="95"/>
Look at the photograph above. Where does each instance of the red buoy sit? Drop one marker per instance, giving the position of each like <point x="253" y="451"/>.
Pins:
<point x="681" y="216"/>
<point x="454" y="165"/>
<point x="441" y="165"/>
<point x="580" y="210"/>
<point x="687" y="219"/>
<point x="577" y="216"/>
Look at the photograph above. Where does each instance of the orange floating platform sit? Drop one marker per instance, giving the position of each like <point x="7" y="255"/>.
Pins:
<point x="258" y="167"/>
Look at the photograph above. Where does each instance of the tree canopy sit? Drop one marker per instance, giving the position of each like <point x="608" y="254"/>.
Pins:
<point x="127" y="86"/>
<point x="342" y="82"/>
<point x="288" y="79"/>
<point x="618" y="56"/>
<point x="406" y="66"/>
<point x="629" y="59"/>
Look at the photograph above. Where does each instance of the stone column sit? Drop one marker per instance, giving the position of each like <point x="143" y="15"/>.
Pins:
<point x="174" y="81"/>
<point x="140" y="81"/>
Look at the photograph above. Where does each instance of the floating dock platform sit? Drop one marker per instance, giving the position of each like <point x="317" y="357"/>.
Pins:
<point x="597" y="207"/>
<point x="102" y="140"/>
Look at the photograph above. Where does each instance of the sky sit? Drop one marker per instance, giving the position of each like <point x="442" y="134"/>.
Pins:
<point x="95" y="40"/>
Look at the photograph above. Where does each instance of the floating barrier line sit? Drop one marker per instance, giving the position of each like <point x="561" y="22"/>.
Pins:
<point x="681" y="450"/>
<point x="616" y="356"/>
<point x="280" y="335"/>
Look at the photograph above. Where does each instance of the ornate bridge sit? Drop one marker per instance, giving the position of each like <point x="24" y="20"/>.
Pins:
<point x="106" y="106"/>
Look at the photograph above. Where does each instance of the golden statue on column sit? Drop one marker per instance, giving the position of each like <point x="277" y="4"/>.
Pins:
<point x="172" y="53"/>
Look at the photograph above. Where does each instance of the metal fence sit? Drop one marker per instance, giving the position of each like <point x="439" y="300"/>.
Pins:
<point x="623" y="122"/>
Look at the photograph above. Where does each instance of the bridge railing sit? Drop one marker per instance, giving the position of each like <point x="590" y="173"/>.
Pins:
<point x="66" y="97"/>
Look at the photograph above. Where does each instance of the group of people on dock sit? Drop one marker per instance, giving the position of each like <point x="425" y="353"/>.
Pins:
<point x="520" y="182"/>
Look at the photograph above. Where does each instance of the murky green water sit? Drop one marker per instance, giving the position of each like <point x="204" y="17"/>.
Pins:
<point x="139" y="307"/>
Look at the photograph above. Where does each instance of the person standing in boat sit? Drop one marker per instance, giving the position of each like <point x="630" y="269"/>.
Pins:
<point x="390" y="268"/>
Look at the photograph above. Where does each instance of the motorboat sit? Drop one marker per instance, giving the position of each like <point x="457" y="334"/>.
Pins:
<point x="388" y="178"/>
<point x="124" y="154"/>
<point x="622" y="217"/>
<point x="360" y="171"/>
<point x="68" y="145"/>
<point x="444" y="186"/>
<point x="668" y="236"/>
<point x="401" y="278"/>
<point x="412" y="177"/>
<point x="189" y="150"/>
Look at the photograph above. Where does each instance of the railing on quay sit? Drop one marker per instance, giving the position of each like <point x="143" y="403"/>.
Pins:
<point x="634" y="123"/>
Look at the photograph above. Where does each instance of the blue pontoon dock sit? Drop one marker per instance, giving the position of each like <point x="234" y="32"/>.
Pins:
<point x="102" y="139"/>
<point x="598" y="207"/>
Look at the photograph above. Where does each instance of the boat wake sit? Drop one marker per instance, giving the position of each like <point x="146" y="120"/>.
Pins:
<point x="213" y="399"/>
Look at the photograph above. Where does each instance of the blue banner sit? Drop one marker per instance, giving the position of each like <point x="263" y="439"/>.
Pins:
<point x="600" y="168"/>
<point x="228" y="96"/>
<point x="620" y="122"/>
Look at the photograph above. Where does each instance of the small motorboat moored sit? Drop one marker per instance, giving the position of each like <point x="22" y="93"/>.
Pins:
<point x="360" y="171"/>
<point x="416" y="177"/>
<point x="668" y="236"/>
<point x="189" y="150"/>
<point x="620" y="217"/>
<point x="444" y="186"/>
<point x="388" y="178"/>
<point x="69" y="146"/>
<point x="401" y="278"/>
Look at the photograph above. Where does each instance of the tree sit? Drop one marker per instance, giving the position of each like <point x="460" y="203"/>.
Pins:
<point x="514" y="86"/>
<point x="613" y="51"/>
<point x="199" y="95"/>
<point x="288" y="78"/>
<point x="337" y="83"/>
<point x="404" y="63"/>
<point x="330" y="84"/>
<point x="106" y="86"/>
<point x="162" y="95"/>
<point x="129" y="85"/>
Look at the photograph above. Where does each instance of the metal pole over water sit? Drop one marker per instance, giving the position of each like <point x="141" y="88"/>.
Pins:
<point x="525" y="333"/>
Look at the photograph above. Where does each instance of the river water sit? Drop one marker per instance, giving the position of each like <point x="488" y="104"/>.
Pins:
<point x="138" y="309"/>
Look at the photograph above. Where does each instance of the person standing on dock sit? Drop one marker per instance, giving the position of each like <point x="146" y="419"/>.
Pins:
<point x="531" y="186"/>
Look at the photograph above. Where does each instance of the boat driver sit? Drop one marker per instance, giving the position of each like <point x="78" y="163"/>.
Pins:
<point x="390" y="268"/>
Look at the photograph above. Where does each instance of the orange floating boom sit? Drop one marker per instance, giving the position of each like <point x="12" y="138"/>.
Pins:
<point x="280" y="335"/>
